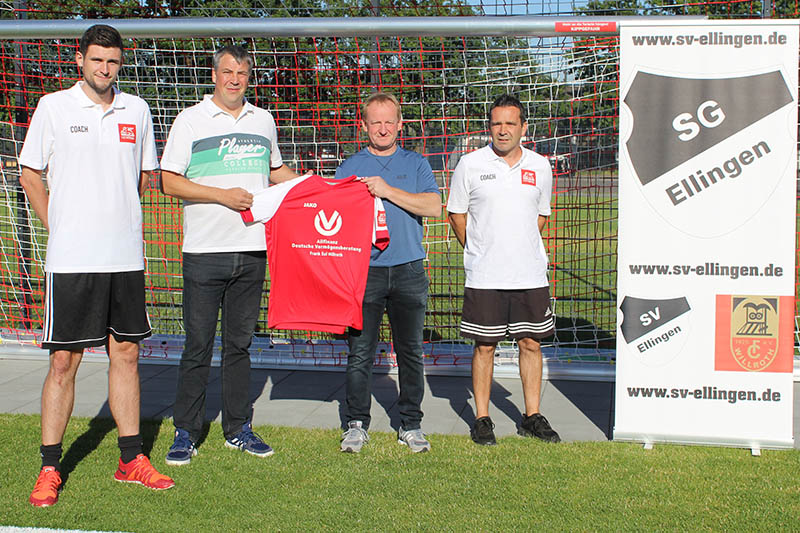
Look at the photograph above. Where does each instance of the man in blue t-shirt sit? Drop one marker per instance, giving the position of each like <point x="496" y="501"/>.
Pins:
<point x="396" y="282"/>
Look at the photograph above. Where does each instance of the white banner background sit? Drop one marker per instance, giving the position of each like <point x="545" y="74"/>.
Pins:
<point x="722" y="195"/>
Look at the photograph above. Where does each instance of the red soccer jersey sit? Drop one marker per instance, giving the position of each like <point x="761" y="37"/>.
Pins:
<point x="319" y="238"/>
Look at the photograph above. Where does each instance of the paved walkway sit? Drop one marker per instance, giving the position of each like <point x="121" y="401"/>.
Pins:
<point x="578" y="410"/>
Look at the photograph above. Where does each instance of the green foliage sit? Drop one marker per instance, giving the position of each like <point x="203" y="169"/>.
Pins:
<point x="726" y="9"/>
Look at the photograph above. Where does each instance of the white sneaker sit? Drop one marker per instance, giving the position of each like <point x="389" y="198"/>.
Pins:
<point x="414" y="439"/>
<point x="355" y="437"/>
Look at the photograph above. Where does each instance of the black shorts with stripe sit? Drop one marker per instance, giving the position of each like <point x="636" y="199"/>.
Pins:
<point x="81" y="310"/>
<point x="492" y="315"/>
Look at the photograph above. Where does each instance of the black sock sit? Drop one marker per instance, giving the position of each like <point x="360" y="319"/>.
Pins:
<point x="51" y="455"/>
<point x="130" y="447"/>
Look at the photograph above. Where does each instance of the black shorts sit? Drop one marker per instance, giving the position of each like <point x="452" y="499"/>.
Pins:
<point x="491" y="315"/>
<point x="80" y="310"/>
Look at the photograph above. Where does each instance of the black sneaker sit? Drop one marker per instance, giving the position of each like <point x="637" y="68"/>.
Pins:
<point x="537" y="426"/>
<point x="482" y="432"/>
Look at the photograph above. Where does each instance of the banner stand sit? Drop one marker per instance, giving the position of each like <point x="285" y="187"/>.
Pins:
<point x="706" y="249"/>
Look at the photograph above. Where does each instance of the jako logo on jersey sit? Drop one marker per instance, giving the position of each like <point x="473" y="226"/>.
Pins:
<point x="327" y="226"/>
<point x="528" y="177"/>
<point x="382" y="219"/>
<point x="127" y="133"/>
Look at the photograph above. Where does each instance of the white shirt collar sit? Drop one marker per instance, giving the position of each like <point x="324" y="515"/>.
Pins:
<point x="494" y="157"/>
<point x="213" y="109"/>
<point x="85" y="101"/>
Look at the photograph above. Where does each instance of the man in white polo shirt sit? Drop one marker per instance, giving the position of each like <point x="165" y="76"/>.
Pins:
<point x="499" y="202"/>
<point x="219" y="152"/>
<point x="96" y="145"/>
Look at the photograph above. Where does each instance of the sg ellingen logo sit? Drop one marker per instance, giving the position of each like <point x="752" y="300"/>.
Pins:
<point x="327" y="226"/>
<point x="695" y="120"/>
<point x="716" y="143"/>
<point x="749" y="334"/>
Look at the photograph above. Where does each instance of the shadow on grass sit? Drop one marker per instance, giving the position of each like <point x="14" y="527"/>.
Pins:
<point x="99" y="428"/>
<point x="317" y="386"/>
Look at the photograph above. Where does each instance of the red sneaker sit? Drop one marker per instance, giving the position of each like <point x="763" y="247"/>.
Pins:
<point x="141" y="471"/>
<point x="48" y="485"/>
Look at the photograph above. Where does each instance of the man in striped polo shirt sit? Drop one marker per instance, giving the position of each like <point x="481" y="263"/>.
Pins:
<point x="219" y="153"/>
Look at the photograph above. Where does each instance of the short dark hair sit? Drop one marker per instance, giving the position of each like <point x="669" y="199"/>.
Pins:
<point x="234" y="50"/>
<point x="507" y="100"/>
<point x="101" y="35"/>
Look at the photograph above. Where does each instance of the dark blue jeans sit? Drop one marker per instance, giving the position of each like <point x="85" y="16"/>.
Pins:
<point x="402" y="291"/>
<point x="235" y="282"/>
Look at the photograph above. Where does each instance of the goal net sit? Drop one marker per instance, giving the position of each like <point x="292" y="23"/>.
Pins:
<point x="314" y="86"/>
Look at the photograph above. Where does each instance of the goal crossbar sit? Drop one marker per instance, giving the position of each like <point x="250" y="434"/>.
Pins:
<point x="178" y="27"/>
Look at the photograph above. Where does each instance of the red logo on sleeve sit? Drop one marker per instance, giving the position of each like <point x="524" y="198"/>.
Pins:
<point x="127" y="133"/>
<point x="528" y="177"/>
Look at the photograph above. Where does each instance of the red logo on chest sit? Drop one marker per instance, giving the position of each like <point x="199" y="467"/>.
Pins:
<point x="127" y="133"/>
<point x="528" y="177"/>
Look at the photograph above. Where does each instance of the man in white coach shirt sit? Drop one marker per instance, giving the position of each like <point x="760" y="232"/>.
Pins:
<point x="499" y="202"/>
<point x="96" y="146"/>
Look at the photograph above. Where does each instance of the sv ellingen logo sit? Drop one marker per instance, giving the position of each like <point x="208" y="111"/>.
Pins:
<point x="655" y="330"/>
<point x="327" y="226"/>
<point x="641" y="316"/>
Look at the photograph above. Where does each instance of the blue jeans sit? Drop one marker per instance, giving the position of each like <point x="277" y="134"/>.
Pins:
<point x="235" y="282"/>
<point x="402" y="291"/>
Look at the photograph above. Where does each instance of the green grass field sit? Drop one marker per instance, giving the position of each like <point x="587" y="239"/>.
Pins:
<point x="308" y="485"/>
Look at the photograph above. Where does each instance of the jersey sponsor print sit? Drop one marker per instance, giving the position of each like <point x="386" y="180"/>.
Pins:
<point x="319" y="237"/>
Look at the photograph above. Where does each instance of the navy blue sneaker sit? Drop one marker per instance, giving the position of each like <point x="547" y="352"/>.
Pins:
<point x="182" y="449"/>
<point x="249" y="442"/>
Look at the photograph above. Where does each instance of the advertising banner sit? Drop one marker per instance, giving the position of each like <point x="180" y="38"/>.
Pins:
<point x="706" y="250"/>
